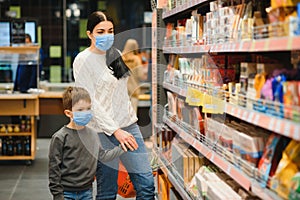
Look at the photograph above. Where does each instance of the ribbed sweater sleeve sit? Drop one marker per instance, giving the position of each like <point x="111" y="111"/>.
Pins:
<point x="55" y="160"/>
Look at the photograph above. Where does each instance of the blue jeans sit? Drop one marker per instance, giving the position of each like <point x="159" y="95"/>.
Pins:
<point x="136" y="163"/>
<point x="82" y="195"/>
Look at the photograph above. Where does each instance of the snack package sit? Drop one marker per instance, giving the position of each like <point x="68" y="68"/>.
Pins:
<point x="270" y="158"/>
<point x="286" y="170"/>
<point x="281" y="181"/>
<point x="295" y="187"/>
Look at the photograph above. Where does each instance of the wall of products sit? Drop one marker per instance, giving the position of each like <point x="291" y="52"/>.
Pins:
<point x="231" y="75"/>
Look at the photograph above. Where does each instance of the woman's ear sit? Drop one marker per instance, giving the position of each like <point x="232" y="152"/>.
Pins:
<point x="89" y="34"/>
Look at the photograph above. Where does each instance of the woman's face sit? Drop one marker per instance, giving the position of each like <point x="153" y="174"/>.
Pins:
<point x="104" y="27"/>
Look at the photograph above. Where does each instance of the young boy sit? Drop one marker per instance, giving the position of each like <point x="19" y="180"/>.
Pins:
<point x="75" y="149"/>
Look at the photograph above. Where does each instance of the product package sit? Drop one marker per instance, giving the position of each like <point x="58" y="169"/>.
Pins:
<point x="286" y="170"/>
<point x="269" y="161"/>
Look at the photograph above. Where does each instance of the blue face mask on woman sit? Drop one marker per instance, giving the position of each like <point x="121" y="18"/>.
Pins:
<point x="82" y="118"/>
<point x="104" y="42"/>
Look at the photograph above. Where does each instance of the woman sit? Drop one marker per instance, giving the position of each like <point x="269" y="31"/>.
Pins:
<point x="101" y="70"/>
<point x="134" y="62"/>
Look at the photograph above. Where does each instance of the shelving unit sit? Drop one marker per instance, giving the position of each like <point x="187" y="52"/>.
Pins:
<point x="21" y="105"/>
<point x="262" y="45"/>
<point x="166" y="168"/>
<point x="281" y="126"/>
<point x="26" y="105"/>
<point x="213" y="152"/>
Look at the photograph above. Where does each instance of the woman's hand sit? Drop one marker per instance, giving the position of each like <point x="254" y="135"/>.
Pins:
<point x="126" y="140"/>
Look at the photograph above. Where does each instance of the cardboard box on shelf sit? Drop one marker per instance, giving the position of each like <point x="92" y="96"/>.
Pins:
<point x="163" y="187"/>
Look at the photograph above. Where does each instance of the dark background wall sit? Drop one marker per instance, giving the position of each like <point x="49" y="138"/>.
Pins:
<point x="128" y="15"/>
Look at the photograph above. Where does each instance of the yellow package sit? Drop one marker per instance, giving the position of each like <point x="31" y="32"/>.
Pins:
<point x="293" y="152"/>
<point x="287" y="168"/>
<point x="281" y="181"/>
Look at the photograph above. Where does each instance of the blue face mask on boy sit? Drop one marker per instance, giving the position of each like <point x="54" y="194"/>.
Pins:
<point x="104" y="42"/>
<point x="82" y="118"/>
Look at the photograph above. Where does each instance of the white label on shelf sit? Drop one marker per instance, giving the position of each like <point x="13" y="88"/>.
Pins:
<point x="228" y="169"/>
<point x="231" y="111"/>
<point x="244" y="116"/>
<point x="287" y="129"/>
<point x="296" y="133"/>
<point x="278" y="125"/>
<point x="272" y="124"/>
<point x="256" y="119"/>
<point x="239" y="113"/>
<point x="250" y="117"/>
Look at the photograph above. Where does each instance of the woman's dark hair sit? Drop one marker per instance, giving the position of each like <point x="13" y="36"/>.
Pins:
<point x="114" y="59"/>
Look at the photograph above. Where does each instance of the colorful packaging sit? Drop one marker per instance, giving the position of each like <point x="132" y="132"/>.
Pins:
<point x="295" y="187"/>
<point x="269" y="161"/>
<point x="287" y="168"/>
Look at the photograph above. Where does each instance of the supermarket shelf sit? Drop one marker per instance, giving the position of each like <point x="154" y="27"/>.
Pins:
<point x="261" y="45"/>
<point x="241" y="178"/>
<point x="238" y="176"/>
<point x="179" y="188"/>
<point x="181" y="8"/>
<point x="16" y="134"/>
<point x="21" y="157"/>
<point x="281" y="126"/>
<point x="175" y="89"/>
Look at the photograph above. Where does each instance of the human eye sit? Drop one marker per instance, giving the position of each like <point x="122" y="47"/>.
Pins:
<point x="100" y="32"/>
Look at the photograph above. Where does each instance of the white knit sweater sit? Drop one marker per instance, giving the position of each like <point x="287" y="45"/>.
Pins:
<point x="110" y="101"/>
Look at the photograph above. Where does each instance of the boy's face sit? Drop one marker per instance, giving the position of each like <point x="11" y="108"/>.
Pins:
<point x="81" y="105"/>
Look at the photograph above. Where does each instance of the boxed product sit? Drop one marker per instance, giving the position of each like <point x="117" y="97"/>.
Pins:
<point x="163" y="187"/>
<point x="225" y="140"/>
<point x="191" y="168"/>
<point x="158" y="130"/>
<point x="201" y="180"/>
<point x="179" y="105"/>
<point x="171" y="103"/>
<point x="247" y="69"/>
<point x="196" y="120"/>
<point x="219" y="190"/>
<point x="291" y="99"/>
<point x="181" y="161"/>
<point x="267" y="68"/>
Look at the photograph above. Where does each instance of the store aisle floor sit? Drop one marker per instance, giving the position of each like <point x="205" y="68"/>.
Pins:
<point x="19" y="181"/>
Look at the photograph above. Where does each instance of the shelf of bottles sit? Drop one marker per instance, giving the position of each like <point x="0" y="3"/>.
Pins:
<point x="15" y="139"/>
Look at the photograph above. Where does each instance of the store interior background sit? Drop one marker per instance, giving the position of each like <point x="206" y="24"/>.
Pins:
<point x="61" y="35"/>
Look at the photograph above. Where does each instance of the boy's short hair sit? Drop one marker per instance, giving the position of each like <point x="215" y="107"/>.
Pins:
<point x="73" y="95"/>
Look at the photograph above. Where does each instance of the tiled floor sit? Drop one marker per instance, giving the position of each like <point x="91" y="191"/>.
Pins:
<point x="19" y="181"/>
<point x="27" y="182"/>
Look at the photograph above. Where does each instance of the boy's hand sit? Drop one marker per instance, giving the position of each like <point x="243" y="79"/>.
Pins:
<point x="126" y="140"/>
